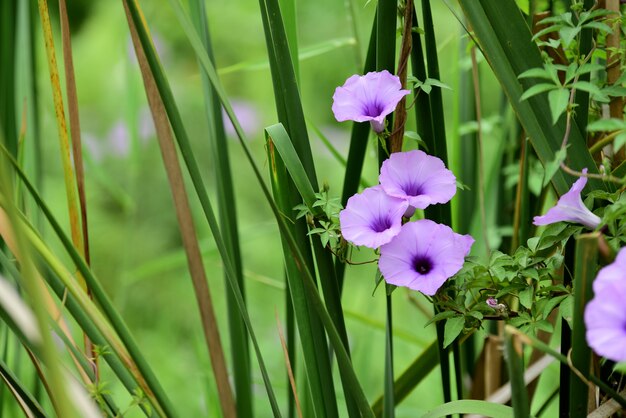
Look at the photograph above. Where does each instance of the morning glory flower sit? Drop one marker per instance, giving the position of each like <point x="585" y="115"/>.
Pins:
<point x="605" y="320"/>
<point x="368" y="98"/>
<point x="614" y="272"/>
<point x="372" y="218"/>
<point x="570" y="208"/>
<point x="417" y="177"/>
<point x="423" y="256"/>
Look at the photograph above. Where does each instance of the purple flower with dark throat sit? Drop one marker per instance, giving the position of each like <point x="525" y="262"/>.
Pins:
<point x="372" y="218"/>
<point x="570" y="208"/>
<point x="417" y="177"/>
<point x="423" y="256"/>
<point x="368" y="98"/>
<point x="605" y="320"/>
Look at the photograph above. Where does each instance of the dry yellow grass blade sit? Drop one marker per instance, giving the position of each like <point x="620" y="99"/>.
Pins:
<point x="68" y="171"/>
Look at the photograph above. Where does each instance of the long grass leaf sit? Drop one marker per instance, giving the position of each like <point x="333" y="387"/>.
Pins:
<point x="343" y="359"/>
<point x="240" y="350"/>
<point x="279" y="139"/>
<point x="187" y="231"/>
<point x="8" y="121"/>
<point x="192" y="166"/>
<point x="436" y="142"/>
<point x="26" y="400"/>
<point x="278" y="33"/>
<point x="72" y="105"/>
<point x="59" y="395"/>
<point x="142" y="373"/>
<point x="386" y="20"/>
<point x="312" y="338"/>
<point x="64" y="140"/>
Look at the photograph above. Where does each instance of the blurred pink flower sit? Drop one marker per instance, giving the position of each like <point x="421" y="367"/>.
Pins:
<point x="248" y="116"/>
<point x="119" y="139"/>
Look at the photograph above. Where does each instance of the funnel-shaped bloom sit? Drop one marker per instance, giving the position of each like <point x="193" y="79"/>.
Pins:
<point x="605" y="320"/>
<point x="614" y="272"/>
<point x="417" y="177"/>
<point x="372" y="218"/>
<point x="368" y="98"/>
<point x="423" y="256"/>
<point x="570" y="208"/>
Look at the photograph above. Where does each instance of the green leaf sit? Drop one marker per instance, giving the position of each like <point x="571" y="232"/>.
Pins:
<point x="607" y="125"/>
<point x="279" y="137"/>
<point x="440" y="316"/>
<point x="466" y="406"/>
<point x="526" y="297"/>
<point x="619" y="141"/>
<point x="600" y="26"/>
<point x="538" y="72"/>
<point x="568" y="34"/>
<point x="558" y="100"/>
<point x="437" y="83"/>
<point x="537" y="89"/>
<point x="506" y="43"/>
<point x="454" y="327"/>
<point x="551" y="304"/>
<point x="544" y="325"/>
<point x="567" y="309"/>
<point x="553" y="166"/>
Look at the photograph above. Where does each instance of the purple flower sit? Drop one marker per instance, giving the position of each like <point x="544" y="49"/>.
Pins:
<point x="368" y="98"/>
<point x="605" y="320"/>
<point x="614" y="272"/>
<point x="417" y="177"/>
<point x="570" y="208"/>
<point x="423" y="256"/>
<point x="372" y="218"/>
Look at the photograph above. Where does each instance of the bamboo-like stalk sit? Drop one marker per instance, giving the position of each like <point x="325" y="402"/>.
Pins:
<point x="515" y="362"/>
<point x="584" y="273"/>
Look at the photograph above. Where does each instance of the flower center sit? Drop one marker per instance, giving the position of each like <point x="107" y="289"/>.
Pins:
<point x="381" y="224"/>
<point x="422" y="265"/>
<point x="373" y="109"/>
<point x="413" y="189"/>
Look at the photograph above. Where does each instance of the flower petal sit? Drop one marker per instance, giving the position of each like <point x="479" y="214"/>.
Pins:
<point x="368" y="98"/>
<point x="570" y="208"/>
<point x="417" y="177"/>
<point x="372" y="218"/>
<point x="423" y="256"/>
